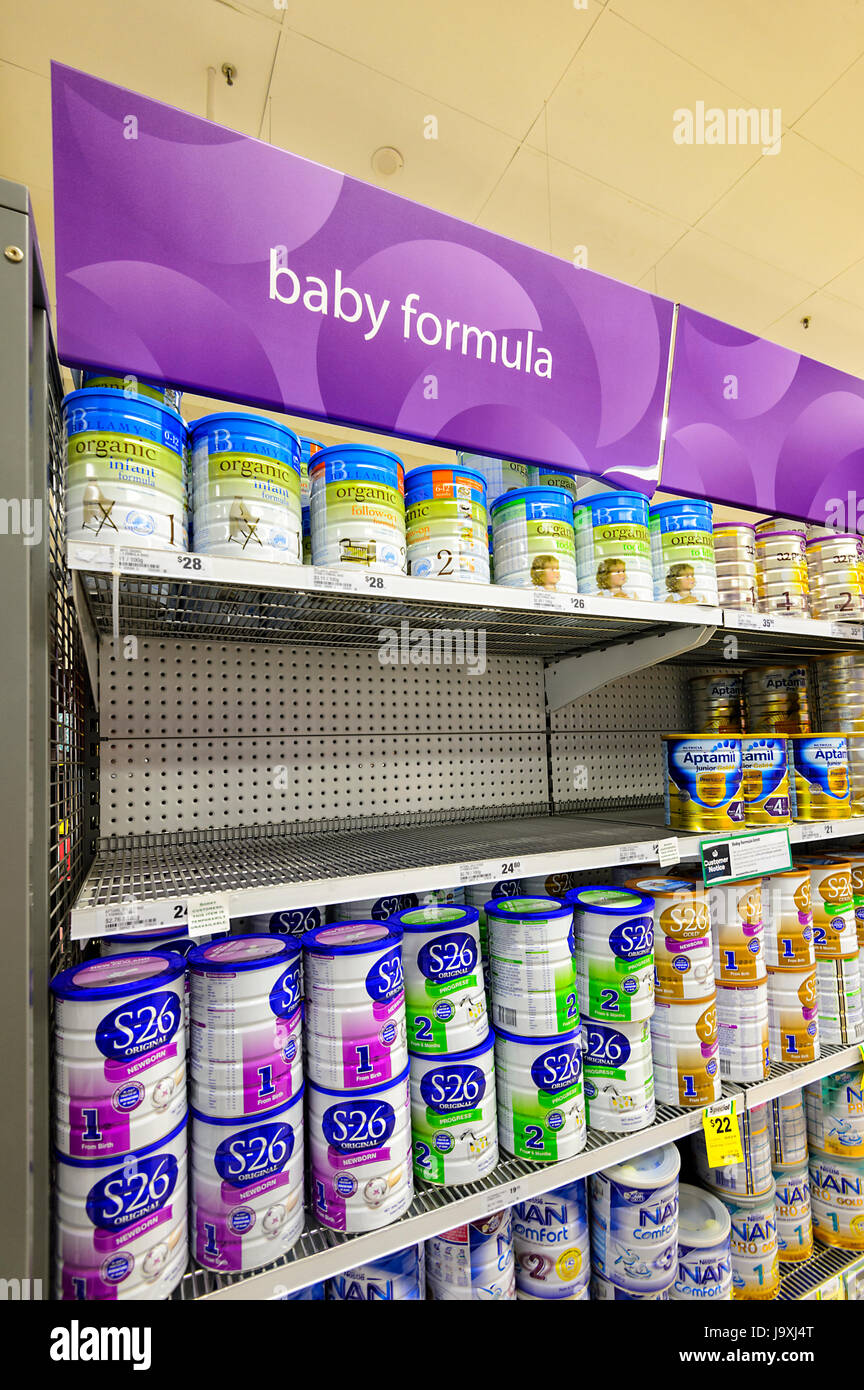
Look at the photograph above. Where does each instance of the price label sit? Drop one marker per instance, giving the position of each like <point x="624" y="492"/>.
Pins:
<point x="668" y="852"/>
<point x="577" y="604"/>
<point x="634" y="854"/>
<point x="722" y="1135"/>
<point x="501" y="1197"/>
<point x="816" y="830"/>
<point x="740" y="619"/>
<point x="853" y="631"/>
<point x="139" y="916"/>
<point x="341" y="581"/>
<point x="195" y="566"/>
<point x="558" y="602"/>
<point x="489" y="870"/>
<point x="144" y="561"/>
<point x="209" y="915"/>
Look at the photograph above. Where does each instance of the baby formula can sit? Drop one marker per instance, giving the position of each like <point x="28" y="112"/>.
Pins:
<point x="247" y="1187"/>
<point x="572" y="483"/>
<point x="704" y="1253"/>
<point x="246" y="488"/>
<point x="685" y="1048"/>
<point x="634" y="1221"/>
<point x="533" y="537"/>
<point x="835" y="926"/>
<point x="742" y="1025"/>
<point x="793" y="1014"/>
<point x="447" y="524"/>
<point x="614" y="930"/>
<point x="357" y="508"/>
<point x="290" y="921"/>
<point x="502" y="475"/>
<point x="819" y="776"/>
<point x="837" y="1200"/>
<point x="750" y="1178"/>
<point x="477" y="895"/>
<point x="781" y="573"/>
<point x="755" y="1256"/>
<point x="619" y="1075"/>
<point x="246" y="1052"/>
<point x="613" y="549"/>
<point x="532" y="965"/>
<point x="133" y="386"/>
<point x="355" y="1004"/>
<point x="835" y="1112"/>
<point x="541" y="1100"/>
<point x="682" y="552"/>
<point x="792" y="1209"/>
<point x="840" y="1011"/>
<point x="775" y="700"/>
<point x="788" y="1128"/>
<point x="121" y="1222"/>
<point x="551" y="1244"/>
<point x="546" y="885"/>
<point x="787" y="935"/>
<point x="473" y="1262"/>
<point x="360" y="1143"/>
<point x="735" y="556"/>
<point x="445" y="1001"/>
<point x="394" y="1279"/>
<point x="120" y="1053"/>
<point x="683" y="954"/>
<point x="736" y="916"/>
<point x="703" y="783"/>
<point x="454" y="1118"/>
<point x="373" y="909"/>
<point x="716" y="704"/>
<point x="125" y="471"/>
<point x="308" y="449"/>
<point x="765" y="781"/>
<point x="603" y="1290"/>
<point x="153" y="938"/>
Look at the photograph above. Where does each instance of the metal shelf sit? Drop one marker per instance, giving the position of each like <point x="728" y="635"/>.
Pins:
<point x="321" y="1254"/>
<point x="826" y="1262"/>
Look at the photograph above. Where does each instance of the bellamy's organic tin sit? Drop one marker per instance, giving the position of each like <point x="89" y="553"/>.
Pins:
<point x="703" y="783"/>
<point x="819" y="776"/>
<point x="613" y="548"/>
<point x="357" y="508"/>
<point x="533" y="538"/>
<point x="245" y="491"/>
<point x="682" y="552"/>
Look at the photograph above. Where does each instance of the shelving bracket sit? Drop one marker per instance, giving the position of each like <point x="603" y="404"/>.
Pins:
<point x="577" y="675"/>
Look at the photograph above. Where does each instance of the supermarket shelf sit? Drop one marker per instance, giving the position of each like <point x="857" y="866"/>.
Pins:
<point x="147" y="881"/>
<point x="321" y="1254"/>
<point x="826" y="1262"/>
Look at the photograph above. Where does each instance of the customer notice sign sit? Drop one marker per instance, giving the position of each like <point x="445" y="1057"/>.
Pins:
<point x="748" y="855"/>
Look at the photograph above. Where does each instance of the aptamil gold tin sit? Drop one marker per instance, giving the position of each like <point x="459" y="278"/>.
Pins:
<point x="818" y="776"/>
<point x="775" y="700"/>
<point x="765" y="780"/>
<point x="703" y="782"/>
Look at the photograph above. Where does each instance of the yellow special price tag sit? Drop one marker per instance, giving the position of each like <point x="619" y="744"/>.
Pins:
<point x="722" y="1135"/>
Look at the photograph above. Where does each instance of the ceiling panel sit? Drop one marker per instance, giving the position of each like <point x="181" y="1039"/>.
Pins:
<point x="835" y="334"/>
<point x="27" y="94"/>
<point x="835" y="121"/>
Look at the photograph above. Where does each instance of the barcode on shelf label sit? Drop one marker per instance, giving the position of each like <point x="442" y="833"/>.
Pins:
<point x="633" y="854"/>
<point x="740" y="618"/>
<point x="209" y="914"/>
<point x="816" y="830"/>
<point x="668" y="852"/>
<point x="138" y="916"/>
<point x="559" y="602"/>
<point x="501" y="1197"/>
<point x="853" y="631"/>
<point x="144" y="561"/>
<point x="483" y="871"/>
<point x="348" y="581"/>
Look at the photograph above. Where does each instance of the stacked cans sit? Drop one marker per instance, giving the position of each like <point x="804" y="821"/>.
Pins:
<point x="120" y="1128"/>
<point x="613" y="547"/>
<point x="246" y="1068"/>
<point x="634" y="1223"/>
<point x="735" y="558"/>
<point x="716" y="705"/>
<point x="447" y="524"/>
<point x="473" y="1262"/>
<point x="682" y="552"/>
<point x="835" y="1130"/>
<point x="551" y="1245"/>
<point x="357" y="1064"/>
<point x="742" y="979"/>
<point x="775" y="700"/>
<point x="245" y="490"/>
<point x="454" y="1118"/>
<point x="614" y="936"/>
<point x="789" y="1152"/>
<point x="835" y="940"/>
<point x="819" y="776"/>
<point x="790" y="956"/>
<point x="702" y="782"/>
<point x="289" y="921"/>
<point x="781" y="572"/>
<point x="704" y="1253"/>
<point x="840" y="683"/>
<point x="357" y="508"/>
<point x="533" y="540"/>
<point x="835" y="575"/>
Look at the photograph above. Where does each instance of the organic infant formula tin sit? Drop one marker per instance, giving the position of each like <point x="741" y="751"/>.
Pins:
<point x="357" y="508"/>
<point x="355" y="1004"/>
<point x="393" y="1279"/>
<point x="685" y="1049"/>
<point x="765" y="780"/>
<point x="473" y="1262"/>
<point x="445" y="1002"/>
<point x="614" y="933"/>
<point x="835" y="1112"/>
<point x="619" y="1075"/>
<point x="703" y="783"/>
<point x="246" y="488"/>
<point x="682" y="552"/>
<point x="755" y="1256"/>
<point x="360" y="1144"/>
<point x="532" y="966"/>
<point x="837" y="1200"/>
<point x="819" y="776"/>
<point x="613" y="549"/>
<point x="634" y="1221"/>
<point x="551" y="1244"/>
<point x="541" y="1100"/>
<point x="454" y="1116"/>
<point x="447" y="524"/>
<point x="533" y="537"/>
<point x="704" y="1253"/>
<point x="792" y="1209"/>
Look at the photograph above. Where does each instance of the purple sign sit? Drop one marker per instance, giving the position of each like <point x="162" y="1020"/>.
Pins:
<point x="228" y="267"/>
<point x="760" y="427"/>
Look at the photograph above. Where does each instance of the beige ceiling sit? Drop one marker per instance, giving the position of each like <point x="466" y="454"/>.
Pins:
<point x="554" y="126"/>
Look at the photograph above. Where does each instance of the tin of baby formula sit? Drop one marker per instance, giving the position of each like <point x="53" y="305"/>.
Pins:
<point x="837" y="1200"/>
<point x="551" y="1244"/>
<point x="683" y="954"/>
<point x="247" y="1187"/>
<point x="532" y="965"/>
<point x="742" y="1025"/>
<point x="125" y="474"/>
<point x="546" y="885"/>
<point x="132" y="386"/>
<point x="473" y="1262"/>
<point x="765" y="781"/>
<point x="840" y="1009"/>
<point x="788" y="524"/>
<point x="634" y="1221"/>
<point x="373" y="909"/>
<point x="120" y="1053"/>
<point x="736" y="917"/>
<point x="792" y="1209"/>
<point x="245" y="491"/>
<point x="835" y="1112"/>
<point x="682" y="552"/>
<point x="835" y="926"/>
<point x="704" y="1254"/>
<point x="703" y="782"/>
<point x="533" y="536"/>
<point x="751" y="1177"/>
<point x="619" y="1075"/>
<point x="603" y="1290"/>
<point x="788" y="1128"/>
<point x="121" y="1222"/>
<point x="477" y="895"/>
<point x="447" y="524"/>
<point x="434" y="483"/>
<point x="614" y="931"/>
<point x="787" y="936"/>
<point x="755" y="1257"/>
<point x="818" y="776"/>
<point x="793" y="1015"/>
<point x="358" y="509"/>
<point x="613" y="549"/>
<point x="394" y="1279"/>
<point x="501" y="475"/>
<point x="454" y="1115"/>
<point x="716" y="702"/>
<point x="246" y="1053"/>
<point x="290" y="921"/>
<point x="148" y="940"/>
<point x="685" y="1049"/>
<point x="445" y="1002"/>
<point x="360" y="1145"/>
<point x="355" y="1004"/>
<point x="541" y="1100"/>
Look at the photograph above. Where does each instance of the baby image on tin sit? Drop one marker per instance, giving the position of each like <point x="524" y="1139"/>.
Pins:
<point x="680" y="581"/>
<point x="612" y="576"/>
<point x="545" y="571"/>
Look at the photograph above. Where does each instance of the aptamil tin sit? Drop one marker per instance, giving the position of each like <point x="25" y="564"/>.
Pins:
<point x="793" y="1014"/>
<point x="787" y="935"/>
<point x="357" y="508"/>
<point x="792" y="1209"/>
<point x="132" y="386"/>
<point x="533" y="538"/>
<point x="355" y="1004"/>
<point x="775" y="700"/>
<point x="447" y="524"/>
<point x="749" y="1178"/>
<point x="473" y="1262"/>
<point x="120" y="1053"/>
<point x="841" y="1019"/>
<point x="683" y="953"/>
<point x="532" y="965"/>
<point x="742" y="1025"/>
<point x="685" y="1048"/>
<point x="290" y="921"/>
<point x="755" y="1257"/>
<point x="614" y="931"/>
<point x="837" y="1200"/>
<point x="788" y="1127"/>
<point x="541" y="1100"/>
<point x="247" y="1187"/>
<point x="360" y="1144"/>
<point x="835" y="1112"/>
<point x="703" y="782"/>
<point x="454" y="1117"/>
<point x="245" y="488"/>
<point x="551" y="1244"/>
<point x="619" y="1075"/>
<point x="716" y="704"/>
<point x="634" y="1221"/>
<point x="445" y="1002"/>
<point x="121" y="1222"/>
<point x="704" y="1255"/>
<point x="603" y="1290"/>
<point x="819" y="776"/>
<point x="765" y="780"/>
<point x="682" y="552"/>
<point x="246" y="1053"/>
<point x="613" y="549"/>
<point x="148" y="940"/>
<point x="394" y="1279"/>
